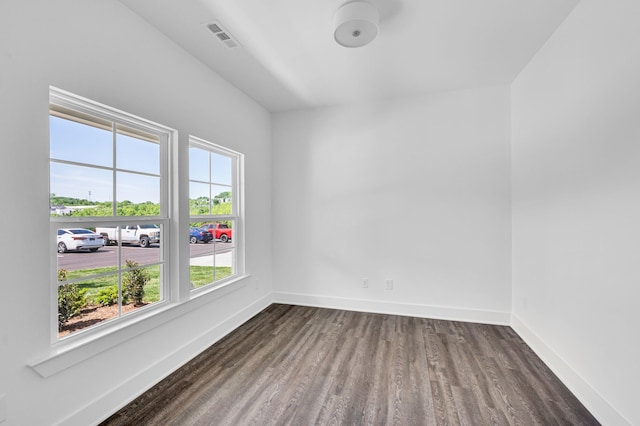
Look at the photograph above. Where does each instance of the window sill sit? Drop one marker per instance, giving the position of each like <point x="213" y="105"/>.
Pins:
<point x="66" y="354"/>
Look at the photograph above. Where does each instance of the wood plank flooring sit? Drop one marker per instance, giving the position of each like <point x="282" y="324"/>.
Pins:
<point x="294" y="365"/>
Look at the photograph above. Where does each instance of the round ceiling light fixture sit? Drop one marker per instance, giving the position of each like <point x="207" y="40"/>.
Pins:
<point x="355" y="24"/>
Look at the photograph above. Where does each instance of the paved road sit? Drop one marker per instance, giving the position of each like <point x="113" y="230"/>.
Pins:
<point x="107" y="256"/>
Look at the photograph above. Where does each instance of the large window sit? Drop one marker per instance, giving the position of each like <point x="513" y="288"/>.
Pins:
<point x="113" y="209"/>
<point x="109" y="212"/>
<point x="214" y="206"/>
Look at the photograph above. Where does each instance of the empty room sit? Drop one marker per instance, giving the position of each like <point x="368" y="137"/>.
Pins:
<point x="320" y="212"/>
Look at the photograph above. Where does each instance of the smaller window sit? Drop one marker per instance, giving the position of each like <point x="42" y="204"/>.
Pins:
<point x="214" y="173"/>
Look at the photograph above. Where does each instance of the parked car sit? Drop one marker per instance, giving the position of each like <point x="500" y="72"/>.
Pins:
<point x="78" y="239"/>
<point x="199" y="235"/>
<point x="143" y="235"/>
<point x="219" y="231"/>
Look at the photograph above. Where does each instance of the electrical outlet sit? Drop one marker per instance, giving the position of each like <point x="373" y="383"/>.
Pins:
<point x="389" y="284"/>
<point x="365" y="283"/>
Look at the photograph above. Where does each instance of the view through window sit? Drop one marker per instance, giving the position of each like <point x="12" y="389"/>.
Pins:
<point x="108" y="212"/>
<point x="214" y="210"/>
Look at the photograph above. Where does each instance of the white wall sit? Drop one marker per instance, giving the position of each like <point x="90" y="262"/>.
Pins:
<point x="100" y="50"/>
<point x="576" y="206"/>
<point x="416" y="190"/>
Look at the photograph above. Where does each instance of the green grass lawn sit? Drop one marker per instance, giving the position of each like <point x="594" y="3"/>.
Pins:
<point x="203" y="275"/>
<point x="199" y="275"/>
<point x="151" y="289"/>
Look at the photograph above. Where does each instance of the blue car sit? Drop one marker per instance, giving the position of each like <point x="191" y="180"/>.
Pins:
<point x="198" y="235"/>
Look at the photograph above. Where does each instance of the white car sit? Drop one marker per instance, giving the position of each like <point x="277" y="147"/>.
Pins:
<point x="78" y="239"/>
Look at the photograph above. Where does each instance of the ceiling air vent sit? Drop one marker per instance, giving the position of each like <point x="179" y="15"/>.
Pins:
<point x="223" y="35"/>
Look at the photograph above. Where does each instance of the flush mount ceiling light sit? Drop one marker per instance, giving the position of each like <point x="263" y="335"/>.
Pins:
<point x="355" y="24"/>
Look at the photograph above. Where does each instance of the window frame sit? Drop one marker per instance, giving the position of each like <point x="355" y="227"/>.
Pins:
<point x="179" y="299"/>
<point x="236" y="215"/>
<point x="77" y="108"/>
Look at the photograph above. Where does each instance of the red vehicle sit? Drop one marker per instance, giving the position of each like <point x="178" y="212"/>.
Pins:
<point x="219" y="231"/>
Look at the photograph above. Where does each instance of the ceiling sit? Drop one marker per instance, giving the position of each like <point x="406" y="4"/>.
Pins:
<point x="288" y="59"/>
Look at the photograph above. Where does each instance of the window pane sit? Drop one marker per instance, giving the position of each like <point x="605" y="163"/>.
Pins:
<point x="221" y="199"/>
<point x="141" y="243"/>
<point x="149" y="278"/>
<point x="214" y="260"/>
<point x="207" y="268"/>
<point x="221" y="171"/>
<point x="198" y="164"/>
<point x="221" y="231"/>
<point x="199" y="198"/>
<point x="87" y="312"/>
<point x="82" y="143"/>
<point x="75" y="188"/>
<point x="223" y="265"/>
<point x="137" y="155"/>
<point x="82" y="252"/>
<point x="137" y="189"/>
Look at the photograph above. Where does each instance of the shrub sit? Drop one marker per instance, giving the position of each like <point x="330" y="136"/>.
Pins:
<point x="107" y="296"/>
<point x="71" y="299"/>
<point x="133" y="283"/>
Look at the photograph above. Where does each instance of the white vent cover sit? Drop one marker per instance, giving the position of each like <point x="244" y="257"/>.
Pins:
<point x="222" y="35"/>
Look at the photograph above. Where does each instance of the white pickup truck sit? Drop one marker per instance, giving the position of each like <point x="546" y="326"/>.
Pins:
<point x="143" y="235"/>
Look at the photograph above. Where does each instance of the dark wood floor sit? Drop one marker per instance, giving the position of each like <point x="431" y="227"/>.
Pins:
<point x="304" y="366"/>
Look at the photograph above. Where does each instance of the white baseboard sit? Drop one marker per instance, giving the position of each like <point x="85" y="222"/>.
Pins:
<point x="590" y="398"/>
<point x="102" y="407"/>
<point x="394" y="308"/>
